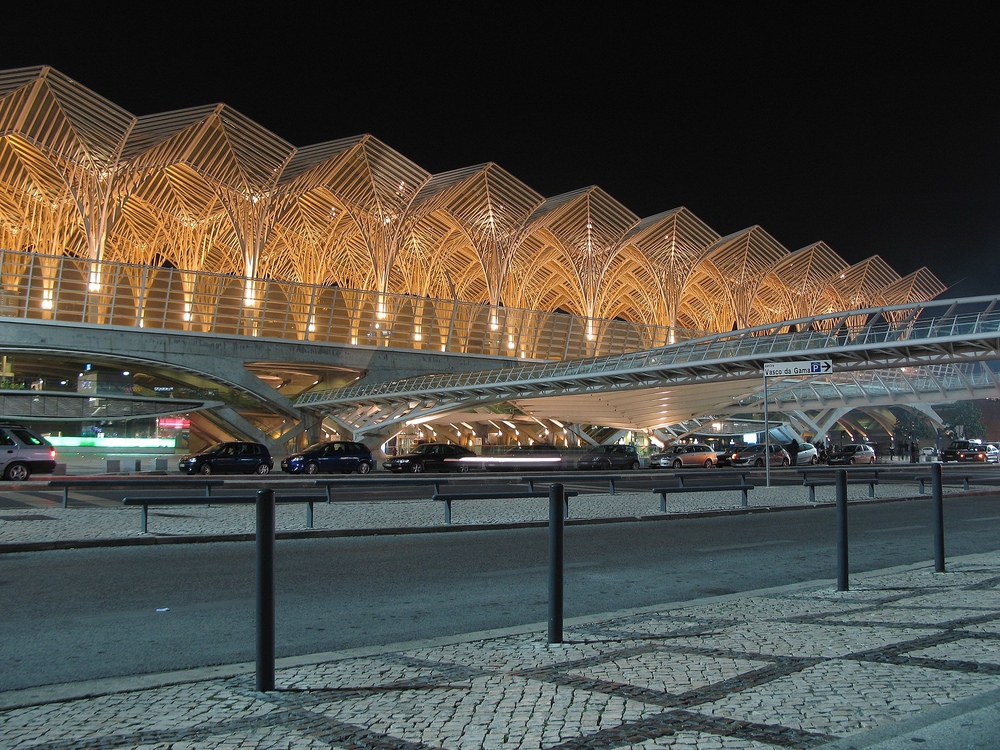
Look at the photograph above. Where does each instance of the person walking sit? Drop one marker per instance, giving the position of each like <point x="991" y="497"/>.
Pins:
<point x="914" y="452"/>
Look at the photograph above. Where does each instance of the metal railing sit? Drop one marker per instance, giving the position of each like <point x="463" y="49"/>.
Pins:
<point x="857" y="328"/>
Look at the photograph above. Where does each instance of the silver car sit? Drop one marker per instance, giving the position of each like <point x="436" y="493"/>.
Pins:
<point x="683" y="456"/>
<point x="852" y="453"/>
<point x="24" y="452"/>
<point x="753" y="455"/>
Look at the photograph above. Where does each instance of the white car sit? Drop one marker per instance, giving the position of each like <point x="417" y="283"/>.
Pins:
<point x="806" y="455"/>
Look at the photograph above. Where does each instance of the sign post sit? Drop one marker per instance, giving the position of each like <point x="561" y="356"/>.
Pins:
<point x="787" y="369"/>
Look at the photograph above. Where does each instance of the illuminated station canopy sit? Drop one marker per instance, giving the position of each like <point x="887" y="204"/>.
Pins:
<point x="207" y="190"/>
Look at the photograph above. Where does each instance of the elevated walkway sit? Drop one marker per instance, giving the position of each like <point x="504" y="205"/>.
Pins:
<point x="898" y="354"/>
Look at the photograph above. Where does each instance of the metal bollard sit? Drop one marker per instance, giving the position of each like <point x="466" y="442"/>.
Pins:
<point x="557" y="500"/>
<point x="842" y="583"/>
<point x="265" y="590"/>
<point x="937" y="494"/>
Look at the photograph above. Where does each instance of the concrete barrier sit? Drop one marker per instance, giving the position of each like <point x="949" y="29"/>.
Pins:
<point x="119" y="465"/>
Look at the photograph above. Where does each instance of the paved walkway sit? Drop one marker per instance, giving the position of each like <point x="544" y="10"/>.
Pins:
<point x="907" y="657"/>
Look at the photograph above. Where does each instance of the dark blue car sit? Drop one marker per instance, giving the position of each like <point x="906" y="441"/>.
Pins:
<point x="330" y="457"/>
<point x="234" y="457"/>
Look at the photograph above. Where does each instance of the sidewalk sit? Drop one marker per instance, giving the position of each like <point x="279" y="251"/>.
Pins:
<point x="907" y="656"/>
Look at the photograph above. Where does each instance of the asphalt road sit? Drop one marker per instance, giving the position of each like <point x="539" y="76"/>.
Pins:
<point x="80" y="614"/>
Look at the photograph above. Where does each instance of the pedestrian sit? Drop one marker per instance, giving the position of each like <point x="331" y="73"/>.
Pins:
<point x="892" y="450"/>
<point x="793" y="452"/>
<point x="821" y="452"/>
<point x="914" y="452"/>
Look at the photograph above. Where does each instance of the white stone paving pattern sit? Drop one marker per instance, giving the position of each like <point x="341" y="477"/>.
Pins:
<point x="798" y="667"/>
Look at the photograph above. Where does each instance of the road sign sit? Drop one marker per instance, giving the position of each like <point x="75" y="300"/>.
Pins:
<point x="815" y="367"/>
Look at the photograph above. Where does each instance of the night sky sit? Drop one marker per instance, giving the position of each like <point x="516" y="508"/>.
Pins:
<point x="871" y="127"/>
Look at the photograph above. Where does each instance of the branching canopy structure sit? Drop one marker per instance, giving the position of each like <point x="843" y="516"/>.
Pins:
<point x="207" y="189"/>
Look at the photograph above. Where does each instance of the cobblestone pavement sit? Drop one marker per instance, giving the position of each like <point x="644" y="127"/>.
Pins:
<point x="903" y="654"/>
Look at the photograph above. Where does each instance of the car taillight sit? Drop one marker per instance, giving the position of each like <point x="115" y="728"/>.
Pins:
<point x="52" y="454"/>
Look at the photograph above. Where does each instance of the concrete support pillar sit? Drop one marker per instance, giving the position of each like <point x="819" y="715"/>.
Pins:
<point x="374" y="441"/>
<point x="313" y="428"/>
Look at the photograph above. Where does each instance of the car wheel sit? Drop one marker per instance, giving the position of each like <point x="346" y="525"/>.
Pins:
<point x="852" y="462"/>
<point x="784" y="462"/>
<point x="364" y="467"/>
<point x="708" y="464"/>
<point x="263" y="469"/>
<point x="812" y="460"/>
<point x="634" y="466"/>
<point x="205" y="469"/>
<point x="873" y="460"/>
<point x="677" y="464"/>
<point x="17" y="472"/>
<point x="312" y="468"/>
<point x="463" y="469"/>
<point x="759" y="463"/>
<point x="417" y="468"/>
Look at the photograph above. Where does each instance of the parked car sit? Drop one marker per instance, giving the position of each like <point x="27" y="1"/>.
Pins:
<point x="233" y="457"/>
<point x="754" y="455"/>
<point x="682" y="456"/>
<point x="852" y="453"/>
<point x="432" y="457"/>
<point x="805" y="455"/>
<point x="964" y="451"/>
<point x="24" y="452"/>
<point x="330" y="457"/>
<point x="726" y="457"/>
<point x="609" y="457"/>
<point x="536" y="457"/>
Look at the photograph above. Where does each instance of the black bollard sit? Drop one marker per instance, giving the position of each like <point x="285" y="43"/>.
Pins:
<point x="938" y="501"/>
<point x="265" y="590"/>
<point x="557" y="500"/>
<point x="842" y="583"/>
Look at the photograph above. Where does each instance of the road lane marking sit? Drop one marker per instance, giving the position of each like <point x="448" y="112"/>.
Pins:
<point x="895" y="528"/>
<point x="751" y="545"/>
